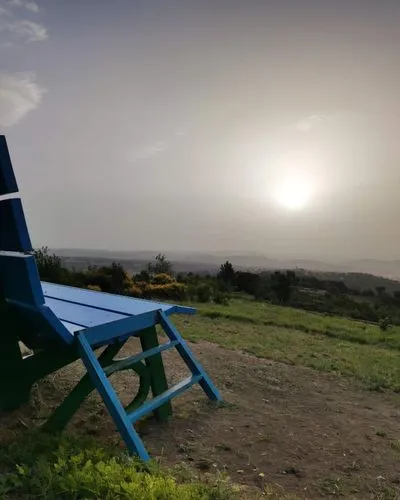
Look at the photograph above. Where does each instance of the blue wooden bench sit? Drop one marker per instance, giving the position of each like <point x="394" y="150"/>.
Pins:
<point x="62" y="324"/>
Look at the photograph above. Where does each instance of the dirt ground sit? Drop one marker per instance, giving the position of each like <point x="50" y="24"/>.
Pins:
<point x="309" y="433"/>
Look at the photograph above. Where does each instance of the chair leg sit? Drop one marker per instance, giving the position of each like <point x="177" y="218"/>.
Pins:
<point x="64" y="413"/>
<point x="159" y="384"/>
<point x="110" y="398"/>
<point x="188" y="357"/>
<point x="15" y="386"/>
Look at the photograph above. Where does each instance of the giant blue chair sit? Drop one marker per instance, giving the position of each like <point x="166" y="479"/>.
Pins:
<point x="61" y="324"/>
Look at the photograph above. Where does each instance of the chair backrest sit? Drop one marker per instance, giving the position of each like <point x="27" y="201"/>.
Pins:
<point x="19" y="277"/>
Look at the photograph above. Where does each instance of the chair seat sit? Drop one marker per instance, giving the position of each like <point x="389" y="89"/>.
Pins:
<point x="79" y="309"/>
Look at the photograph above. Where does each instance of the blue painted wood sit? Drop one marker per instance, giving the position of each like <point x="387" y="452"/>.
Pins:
<point x="14" y="234"/>
<point x="82" y="315"/>
<point x="189" y="358"/>
<point x="8" y="183"/>
<point x="57" y="331"/>
<point x="108" y="301"/>
<point x="19" y="278"/>
<point x="163" y="398"/>
<point x="120" y="330"/>
<point x="144" y="355"/>
<point x="72" y="327"/>
<point x="43" y="322"/>
<point x="110" y="398"/>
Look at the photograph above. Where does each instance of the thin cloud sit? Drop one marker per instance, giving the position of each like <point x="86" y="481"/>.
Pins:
<point x="308" y="123"/>
<point x="13" y="28"/>
<point x="28" y="30"/>
<point x="158" y="147"/>
<point x="151" y="150"/>
<point x="19" y="94"/>
<point x="31" y="6"/>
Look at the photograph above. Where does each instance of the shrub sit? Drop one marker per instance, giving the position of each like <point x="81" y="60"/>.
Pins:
<point x="172" y="291"/>
<point x="204" y="292"/>
<point x="221" y="298"/>
<point x="162" y="279"/>
<point x="385" y="324"/>
<point x="63" y="468"/>
<point x="95" y="288"/>
<point x="135" y="291"/>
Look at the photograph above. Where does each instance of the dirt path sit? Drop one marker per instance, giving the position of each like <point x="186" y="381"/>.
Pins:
<point x="311" y="433"/>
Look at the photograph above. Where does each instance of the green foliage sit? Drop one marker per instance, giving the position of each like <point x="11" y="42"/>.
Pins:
<point x="50" y="266"/>
<point x="204" y="292"/>
<point x="161" y="265"/>
<point x="331" y="344"/>
<point x="72" y="468"/>
<point x="169" y="291"/>
<point x="282" y="285"/>
<point x="385" y="324"/>
<point x="221" y="298"/>
<point x="162" y="279"/>
<point x="227" y="274"/>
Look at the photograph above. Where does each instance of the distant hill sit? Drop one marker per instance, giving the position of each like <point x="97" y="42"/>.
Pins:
<point x="360" y="274"/>
<point x="355" y="281"/>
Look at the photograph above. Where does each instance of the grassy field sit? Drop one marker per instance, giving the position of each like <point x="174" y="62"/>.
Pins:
<point x="71" y="469"/>
<point x="346" y="347"/>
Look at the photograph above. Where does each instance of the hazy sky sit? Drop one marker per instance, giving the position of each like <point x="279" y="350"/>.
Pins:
<point x="182" y="124"/>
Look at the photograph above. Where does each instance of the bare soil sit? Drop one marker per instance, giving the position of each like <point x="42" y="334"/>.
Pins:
<point x="310" y="433"/>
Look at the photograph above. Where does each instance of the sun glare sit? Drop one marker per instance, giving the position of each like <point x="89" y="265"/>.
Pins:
<point x="293" y="194"/>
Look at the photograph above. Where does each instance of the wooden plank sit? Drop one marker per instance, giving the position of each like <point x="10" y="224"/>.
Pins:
<point x="104" y="334"/>
<point x="106" y="301"/>
<point x="19" y="278"/>
<point x="8" y="183"/>
<point x="126" y="362"/>
<point x="72" y="327"/>
<point x="188" y="357"/>
<point x="155" y="364"/>
<point x="110" y="398"/>
<point x="163" y="398"/>
<point x="14" y="234"/>
<point x="82" y="315"/>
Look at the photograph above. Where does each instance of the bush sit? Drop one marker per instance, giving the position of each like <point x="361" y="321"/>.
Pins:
<point x="204" y="292"/>
<point x="135" y="291"/>
<point x="63" y="468"/>
<point x="172" y="291"/>
<point x="385" y="324"/>
<point x="162" y="279"/>
<point x="95" y="288"/>
<point x="221" y="298"/>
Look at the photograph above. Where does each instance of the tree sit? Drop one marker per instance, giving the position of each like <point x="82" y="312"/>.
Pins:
<point x="380" y="291"/>
<point x="282" y="285"/>
<point x="248" y="282"/>
<point x="50" y="266"/>
<point x="160" y="266"/>
<point x="227" y="274"/>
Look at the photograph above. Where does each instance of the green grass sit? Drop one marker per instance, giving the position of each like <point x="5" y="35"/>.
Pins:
<point x="73" y="468"/>
<point x="300" y="338"/>
<point x="262" y="313"/>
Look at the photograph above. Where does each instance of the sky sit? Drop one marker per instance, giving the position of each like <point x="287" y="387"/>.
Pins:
<point x="267" y="126"/>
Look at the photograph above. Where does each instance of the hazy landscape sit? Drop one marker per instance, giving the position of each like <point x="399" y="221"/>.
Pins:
<point x="236" y="157"/>
<point x="372" y="271"/>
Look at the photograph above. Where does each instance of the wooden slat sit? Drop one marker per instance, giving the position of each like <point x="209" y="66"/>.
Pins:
<point x="82" y="315"/>
<point x="19" y="278"/>
<point x="14" y="234"/>
<point x="8" y="183"/>
<point x="101" y="300"/>
<point x="158" y="401"/>
<point x="127" y="362"/>
<point x="72" y="327"/>
<point x="121" y="330"/>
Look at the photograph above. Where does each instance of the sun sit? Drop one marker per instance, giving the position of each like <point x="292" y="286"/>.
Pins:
<point x="293" y="194"/>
